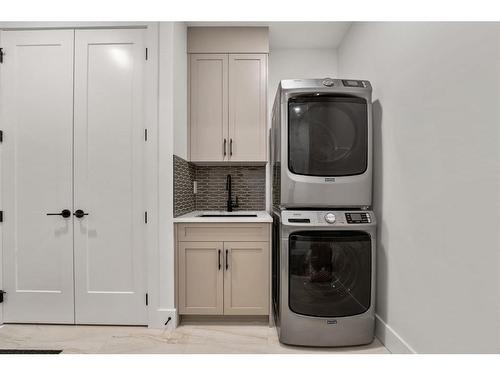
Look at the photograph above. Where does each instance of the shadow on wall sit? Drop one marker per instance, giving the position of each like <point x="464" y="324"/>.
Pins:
<point x="378" y="186"/>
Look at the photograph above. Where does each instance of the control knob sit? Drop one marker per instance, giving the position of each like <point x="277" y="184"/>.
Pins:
<point x="328" y="82"/>
<point x="330" y="218"/>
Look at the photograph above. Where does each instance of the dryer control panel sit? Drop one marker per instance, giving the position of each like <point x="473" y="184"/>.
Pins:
<point x="358" y="217"/>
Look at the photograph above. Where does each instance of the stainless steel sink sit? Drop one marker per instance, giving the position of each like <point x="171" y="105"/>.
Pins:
<point x="227" y="215"/>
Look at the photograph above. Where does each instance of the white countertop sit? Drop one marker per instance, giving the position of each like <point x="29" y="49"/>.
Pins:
<point x="194" y="217"/>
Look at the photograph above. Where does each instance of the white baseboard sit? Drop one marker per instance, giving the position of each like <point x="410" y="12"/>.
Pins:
<point x="390" y="338"/>
<point x="159" y="317"/>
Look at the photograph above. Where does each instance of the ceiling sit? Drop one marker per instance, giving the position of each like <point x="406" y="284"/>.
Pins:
<point x="295" y="34"/>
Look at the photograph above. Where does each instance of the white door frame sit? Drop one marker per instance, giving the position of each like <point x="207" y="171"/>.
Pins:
<point x="156" y="315"/>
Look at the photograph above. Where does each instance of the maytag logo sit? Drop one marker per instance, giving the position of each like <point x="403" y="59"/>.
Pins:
<point x="334" y="321"/>
<point x="329" y="179"/>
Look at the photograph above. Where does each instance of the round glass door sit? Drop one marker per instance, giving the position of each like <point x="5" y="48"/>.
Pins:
<point x="329" y="273"/>
<point x="327" y="135"/>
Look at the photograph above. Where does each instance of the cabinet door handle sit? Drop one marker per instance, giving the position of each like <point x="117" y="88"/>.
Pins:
<point x="231" y="147"/>
<point x="224" y="148"/>
<point x="227" y="256"/>
<point x="219" y="258"/>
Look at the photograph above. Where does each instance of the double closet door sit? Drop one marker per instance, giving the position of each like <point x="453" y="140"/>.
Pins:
<point x="72" y="173"/>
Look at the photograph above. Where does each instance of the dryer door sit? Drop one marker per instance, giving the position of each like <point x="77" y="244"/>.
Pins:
<point x="329" y="273"/>
<point x="327" y="135"/>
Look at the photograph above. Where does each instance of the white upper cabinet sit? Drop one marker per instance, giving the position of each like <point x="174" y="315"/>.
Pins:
<point x="227" y="100"/>
<point x="209" y="108"/>
<point x="247" y="107"/>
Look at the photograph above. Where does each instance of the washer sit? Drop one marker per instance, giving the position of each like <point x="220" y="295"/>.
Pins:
<point x="323" y="277"/>
<point x="321" y="144"/>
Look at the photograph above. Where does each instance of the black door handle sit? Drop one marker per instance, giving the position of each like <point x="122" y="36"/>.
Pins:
<point x="231" y="147"/>
<point x="79" y="214"/>
<point x="224" y="146"/>
<point x="64" y="213"/>
<point x="219" y="258"/>
<point x="227" y="264"/>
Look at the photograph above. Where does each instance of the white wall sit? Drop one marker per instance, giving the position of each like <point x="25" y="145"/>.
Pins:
<point x="172" y="115"/>
<point x="180" y="89"/>
<point x="291" y="64"/>
<point x="299" y="63"/>
<point x="437" y="179"/>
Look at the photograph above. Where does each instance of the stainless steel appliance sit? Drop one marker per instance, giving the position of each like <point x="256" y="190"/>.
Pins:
<point x="323" y="277"/>
<point x="321" y="144"/>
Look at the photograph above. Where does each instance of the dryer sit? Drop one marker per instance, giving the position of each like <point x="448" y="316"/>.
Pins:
<point x="321" y="144"/>
<point x="323" y="277"/>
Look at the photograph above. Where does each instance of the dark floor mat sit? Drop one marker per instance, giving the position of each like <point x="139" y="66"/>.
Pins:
<point x="29" y="351"/>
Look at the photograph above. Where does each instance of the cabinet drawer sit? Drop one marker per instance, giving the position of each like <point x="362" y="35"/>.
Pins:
<point x="223" y="232"/>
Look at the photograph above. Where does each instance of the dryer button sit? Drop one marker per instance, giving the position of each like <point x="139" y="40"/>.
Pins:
<point x="328" y="82"/>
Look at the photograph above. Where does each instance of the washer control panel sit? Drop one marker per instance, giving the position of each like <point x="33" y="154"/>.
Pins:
<point x="326" y="218"/>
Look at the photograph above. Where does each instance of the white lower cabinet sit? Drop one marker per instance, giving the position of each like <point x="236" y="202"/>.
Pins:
<point x="246" y="290"/>
<point x="201" y="278"/>
<point x="223" y="277"/>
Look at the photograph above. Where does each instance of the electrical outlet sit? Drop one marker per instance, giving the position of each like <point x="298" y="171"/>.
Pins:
<point x="195" y="187"/>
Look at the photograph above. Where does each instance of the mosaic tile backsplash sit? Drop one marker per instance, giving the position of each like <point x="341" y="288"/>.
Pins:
<point x="184" y="175"/>
<point x="248" y="185"/>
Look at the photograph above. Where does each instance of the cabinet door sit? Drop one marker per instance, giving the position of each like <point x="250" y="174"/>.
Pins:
<point x="247" y="107"/>
<point x="246" y="278"/>
<point x="201" y="278"/>
<point x="208" y="107"/>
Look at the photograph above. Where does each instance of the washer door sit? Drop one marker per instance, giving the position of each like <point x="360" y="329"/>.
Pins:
<point x="329" y="273"/>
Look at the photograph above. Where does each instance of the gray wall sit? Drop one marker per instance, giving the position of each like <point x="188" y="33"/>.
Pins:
<point x="437" y="179"/>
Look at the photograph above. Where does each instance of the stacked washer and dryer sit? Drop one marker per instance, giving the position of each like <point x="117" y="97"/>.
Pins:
<point x="323" y="261"/>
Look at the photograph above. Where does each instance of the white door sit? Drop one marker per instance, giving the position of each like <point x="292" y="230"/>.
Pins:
<point x="36" y="100"/>
<point x="108" y="177"/>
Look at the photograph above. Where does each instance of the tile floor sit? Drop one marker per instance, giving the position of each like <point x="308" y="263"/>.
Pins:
<point x="188" y="338"/>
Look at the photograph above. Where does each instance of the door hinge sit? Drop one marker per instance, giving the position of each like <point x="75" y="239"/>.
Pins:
<point x="1" y="295"/>
<point x="146" y="217"/>
<point x="1" y="55"/>
<point x="146" y="53"/>
<point x="145" y="135"/>
<point x="147" y="299"/>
